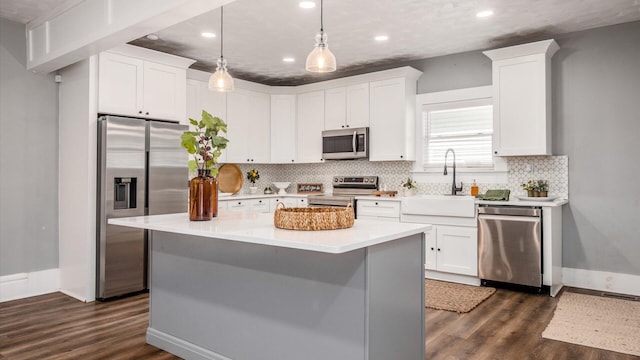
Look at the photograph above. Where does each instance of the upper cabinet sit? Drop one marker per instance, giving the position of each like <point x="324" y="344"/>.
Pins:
<point x="522" y="98"/>
<point x="347" y="107"/>
<point x="310" y="121"/>
<point x="248" y="127"/>
<point x="283" y="129"/>
<point x="139" y="82"/>
<point x="199" y="98"/>
<point x="392" y="118"/>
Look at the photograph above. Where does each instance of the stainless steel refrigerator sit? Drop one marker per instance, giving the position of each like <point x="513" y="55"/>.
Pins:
<point x="142" y="170"/>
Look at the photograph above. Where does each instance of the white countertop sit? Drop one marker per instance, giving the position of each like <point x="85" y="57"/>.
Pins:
<point x="512" y="202"/>
<point x="516" y="202"/>
<point x="259" y="229"/>
<point x="259" y="196"/>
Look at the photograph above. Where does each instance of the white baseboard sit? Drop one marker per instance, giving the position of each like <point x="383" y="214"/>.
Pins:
<point x="602" y="281"/>
<point x="460" y="279"/>
<point x="23" y="285"/>
<point x="179" y="347"/>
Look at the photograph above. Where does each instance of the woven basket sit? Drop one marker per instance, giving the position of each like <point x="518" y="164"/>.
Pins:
<point x="322" y="218"/>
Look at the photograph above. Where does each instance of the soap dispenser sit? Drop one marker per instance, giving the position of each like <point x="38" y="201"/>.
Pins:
<point x="474" y="188"/>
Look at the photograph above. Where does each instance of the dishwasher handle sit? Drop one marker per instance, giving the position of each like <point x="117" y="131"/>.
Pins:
<point x="510" y="210"/>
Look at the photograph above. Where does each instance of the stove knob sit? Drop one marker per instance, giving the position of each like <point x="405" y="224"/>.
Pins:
<point x="335" y="180"/>
<point x="366" y="180"/>
<point x="341" y="179"/>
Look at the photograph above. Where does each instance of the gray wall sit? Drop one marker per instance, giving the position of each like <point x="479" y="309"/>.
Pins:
<point x="28" y="160"/>
<point x="596" y="111"/>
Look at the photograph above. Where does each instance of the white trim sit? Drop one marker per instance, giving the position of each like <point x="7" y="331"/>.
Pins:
<point x="496" y="175"/>
<point x="152" y="55"/>
<point x="602" y="281"/>
<point x="23" y="285"/>
<point x="179" y="347"/>
<point x="456" y="278"/>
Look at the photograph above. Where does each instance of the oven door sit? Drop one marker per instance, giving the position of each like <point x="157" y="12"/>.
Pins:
<point x="345" y="144"/>
<point x="332" y="201"/>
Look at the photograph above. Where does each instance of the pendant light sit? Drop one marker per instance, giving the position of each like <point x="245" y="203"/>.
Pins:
<point x="221" y="80"/>
<point x="321" y="59"/>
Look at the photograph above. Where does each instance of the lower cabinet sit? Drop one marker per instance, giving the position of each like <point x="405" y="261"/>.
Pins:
<point x="452" y="249"/>
<point x="382" y="210"/>
<point x="249" y="205"/>
<point x="287" y="201"/>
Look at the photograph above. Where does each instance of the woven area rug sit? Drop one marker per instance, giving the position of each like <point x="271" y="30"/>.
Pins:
<point x="459" y="298"/>
<point x="600" y="322"/>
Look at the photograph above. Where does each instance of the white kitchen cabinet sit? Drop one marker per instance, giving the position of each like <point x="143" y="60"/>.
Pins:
<point x="382" y="210"/>
<point x="131" y="86"/>
<point x="246" y="205"/>
<point x="199" y="98"/>
<point x="522" y="99"/>
<point x="310" y="124"/>
<point x="392" y="119"/>
<point x="452" y="249"/>
<point x="283" y="129"/>
<point x="248" y="127"/>
<point x="288" y="202"/>
<point x="347" y="107"/>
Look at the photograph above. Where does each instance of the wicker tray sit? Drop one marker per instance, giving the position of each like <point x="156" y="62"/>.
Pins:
<point x="321" y="218"/>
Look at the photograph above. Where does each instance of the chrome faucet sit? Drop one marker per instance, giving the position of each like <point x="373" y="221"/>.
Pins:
<point x="454" y="189"/>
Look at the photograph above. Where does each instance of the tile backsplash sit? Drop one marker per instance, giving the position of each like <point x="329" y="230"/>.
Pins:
<point x="555" y="169"/>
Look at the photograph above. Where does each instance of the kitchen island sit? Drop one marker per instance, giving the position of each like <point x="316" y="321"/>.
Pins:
<point x="238" y="288"/>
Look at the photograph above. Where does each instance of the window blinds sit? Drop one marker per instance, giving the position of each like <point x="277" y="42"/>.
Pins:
<point x="466" y="130"/>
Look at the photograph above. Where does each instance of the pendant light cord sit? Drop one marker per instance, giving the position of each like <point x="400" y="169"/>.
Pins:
<point x="221" y="31"/>
<point x="321" y="12"/>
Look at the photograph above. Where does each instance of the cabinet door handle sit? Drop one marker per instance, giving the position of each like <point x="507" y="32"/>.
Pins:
<point x="240" y="203"/>
<point x="432" y="249"/>
<point x="438" y="249"/>
<point x="376" y="203"/>
<point x="495" y="152"/>
<point x="140" y="112"/>
<point x="292" y="160"/>
<point x="347" y="125"/>
<point x="147" y="113"/>
<point x="343" y="126"/>
<point x="401" y="156"/>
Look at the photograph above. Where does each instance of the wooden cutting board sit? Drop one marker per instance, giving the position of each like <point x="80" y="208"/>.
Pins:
<point x="229" y="178"/>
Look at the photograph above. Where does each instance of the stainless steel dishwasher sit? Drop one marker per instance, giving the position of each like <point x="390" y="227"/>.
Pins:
<point x="510" y="244"/>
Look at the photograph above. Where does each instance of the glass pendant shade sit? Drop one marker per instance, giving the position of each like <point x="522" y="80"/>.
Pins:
<point x="321" y="59"/>
<point x="221" y="80"/>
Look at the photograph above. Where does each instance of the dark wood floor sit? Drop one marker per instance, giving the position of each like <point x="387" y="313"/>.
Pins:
<point x="506" y="326"/>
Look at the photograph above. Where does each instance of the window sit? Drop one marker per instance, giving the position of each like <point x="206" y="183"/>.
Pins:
<point x="464" y="126"/>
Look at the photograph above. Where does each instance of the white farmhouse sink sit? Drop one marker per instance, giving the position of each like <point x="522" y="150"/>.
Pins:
<point x="439" y="205"/>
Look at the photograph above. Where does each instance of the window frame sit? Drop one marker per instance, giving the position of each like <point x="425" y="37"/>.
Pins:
<point x="442" y="100"/>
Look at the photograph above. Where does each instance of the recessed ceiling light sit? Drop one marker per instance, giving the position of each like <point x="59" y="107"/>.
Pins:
<point x="208" y="35"/>
<point x="381" y="38"/>
<point x="484" y="13"/>
<point x="288" y="59"/>
<point x="307" y="4"/>
<point x="153" y="37"/>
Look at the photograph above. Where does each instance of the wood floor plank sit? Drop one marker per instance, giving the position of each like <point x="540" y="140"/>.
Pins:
<point x="508" y="325"/>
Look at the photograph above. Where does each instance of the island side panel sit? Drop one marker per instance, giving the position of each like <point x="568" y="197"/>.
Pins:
<point x="395" y="299"/>
<point x="215" y="299"/>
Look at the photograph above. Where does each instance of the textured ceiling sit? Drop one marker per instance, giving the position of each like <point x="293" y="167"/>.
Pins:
<point x="259" y="33"/>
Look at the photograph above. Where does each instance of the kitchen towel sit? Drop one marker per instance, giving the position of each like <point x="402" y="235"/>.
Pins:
<point x="495" y="195"/>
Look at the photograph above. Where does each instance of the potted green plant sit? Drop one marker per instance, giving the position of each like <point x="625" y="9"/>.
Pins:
<point x="543" y="188"/>
<point x="531" y="187"/>
<point x="252" y="176"/>
<point x="205" y="143"/>
<point x="408" y="186"/>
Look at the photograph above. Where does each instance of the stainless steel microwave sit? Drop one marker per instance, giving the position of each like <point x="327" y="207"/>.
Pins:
<point x="345" y="144"/>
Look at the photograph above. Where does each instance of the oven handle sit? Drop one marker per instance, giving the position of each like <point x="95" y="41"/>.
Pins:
<point x="509" y="218"/>
<point x="353" y="142"/>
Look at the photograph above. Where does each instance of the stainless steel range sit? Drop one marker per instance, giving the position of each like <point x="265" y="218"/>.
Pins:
<point x="345" y="190"/>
